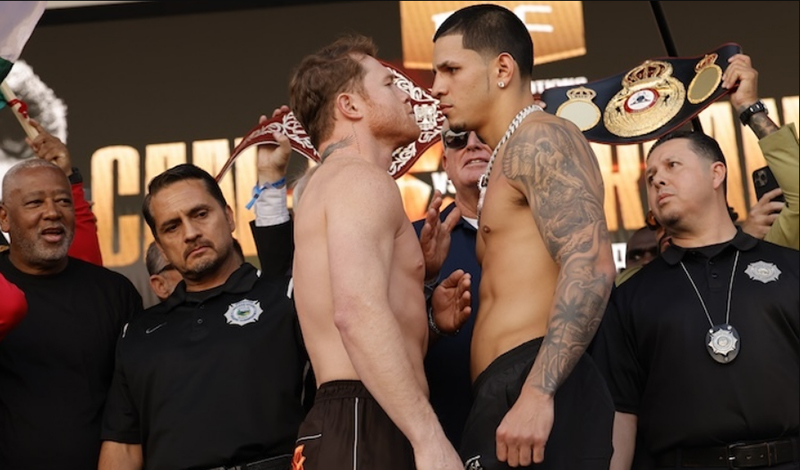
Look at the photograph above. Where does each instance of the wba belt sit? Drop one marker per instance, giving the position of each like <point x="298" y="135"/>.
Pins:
<point x="646" y="102"/>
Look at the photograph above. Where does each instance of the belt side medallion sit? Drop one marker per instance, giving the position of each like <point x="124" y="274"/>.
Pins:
<point x="707" y="77"/>
<point x="580" y="109"/>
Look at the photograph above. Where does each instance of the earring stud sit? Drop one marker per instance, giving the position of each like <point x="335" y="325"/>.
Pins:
<point x="501" y="84"/>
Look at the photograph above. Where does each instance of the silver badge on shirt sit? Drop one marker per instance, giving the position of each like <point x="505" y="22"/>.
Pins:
<point x="763" y="271"/>
<point x="243" y="312"/>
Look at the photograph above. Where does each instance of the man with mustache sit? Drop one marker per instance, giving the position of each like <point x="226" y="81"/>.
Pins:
<point x="213" y="376"/>
<point x="691" y="344"/>
<point x="56" y="364"/>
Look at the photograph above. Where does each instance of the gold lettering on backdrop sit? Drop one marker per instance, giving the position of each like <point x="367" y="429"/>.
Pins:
<point x="621" y="185"/>
<point x="626" y="180"/>
<point x="119" y="242"/>
<point x="123" y="237"/>
<point x="646" y="146"/>
<point x="245" y="175"/>
<point x="211" y="155"/>
<point x="603" y="154"/>
<point x="158" y="158"/>
<point x="718" y="122"/>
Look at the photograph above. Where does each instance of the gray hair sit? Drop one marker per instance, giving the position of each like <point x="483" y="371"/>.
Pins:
<point x="25" y="165"/>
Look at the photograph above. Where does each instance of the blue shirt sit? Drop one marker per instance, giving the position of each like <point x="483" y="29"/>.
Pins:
<point x="447" y="361"/>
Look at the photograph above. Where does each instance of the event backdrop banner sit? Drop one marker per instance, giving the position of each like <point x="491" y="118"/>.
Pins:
<point x="136" y="88"/>
<point x="555" y="27"/>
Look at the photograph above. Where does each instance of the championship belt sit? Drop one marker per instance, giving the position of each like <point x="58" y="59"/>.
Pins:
<point x="650" y="100"/>
<point x="426" y="110"/>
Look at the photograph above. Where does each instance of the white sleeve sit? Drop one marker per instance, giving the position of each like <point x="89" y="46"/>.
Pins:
<point x="271" y="207"/>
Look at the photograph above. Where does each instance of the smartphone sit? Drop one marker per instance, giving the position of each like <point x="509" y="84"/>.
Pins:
<point x="764" y="182"/>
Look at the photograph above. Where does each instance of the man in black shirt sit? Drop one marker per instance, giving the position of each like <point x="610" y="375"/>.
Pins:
<point x="700" y="348"/>
<point x="211" y="377"/>
<point x="56" y="364"/>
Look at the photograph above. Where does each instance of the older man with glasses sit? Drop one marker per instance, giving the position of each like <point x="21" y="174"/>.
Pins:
<point x="163" y="276"/>
<point x="464" y="159"/>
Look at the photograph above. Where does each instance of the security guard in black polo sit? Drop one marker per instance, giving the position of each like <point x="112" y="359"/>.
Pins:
<point x="701" y="348"/>
<point x="654" y="348"/>
<point x="212" y="377"/>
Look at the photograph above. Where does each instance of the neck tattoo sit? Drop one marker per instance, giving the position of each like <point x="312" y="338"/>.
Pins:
<point x="722" y="341"/>
<point x="484" y="181"/>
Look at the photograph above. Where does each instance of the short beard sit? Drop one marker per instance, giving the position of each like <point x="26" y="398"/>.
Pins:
<point x="206" y="267"/>
<point x="37" y="255"/>
<point x="670" y="222"/>
<point x="203" y="268"/>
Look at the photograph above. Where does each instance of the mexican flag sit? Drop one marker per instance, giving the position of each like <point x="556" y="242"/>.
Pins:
<point x="17" y="20"/>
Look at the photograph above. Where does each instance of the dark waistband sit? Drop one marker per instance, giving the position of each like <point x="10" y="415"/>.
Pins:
<point x="741" y="455"/>
<point x="511" y="358"/>
<point x="337" y="389"/>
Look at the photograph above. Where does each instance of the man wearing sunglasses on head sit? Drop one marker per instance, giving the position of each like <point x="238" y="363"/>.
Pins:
<point x="464" y="159"/>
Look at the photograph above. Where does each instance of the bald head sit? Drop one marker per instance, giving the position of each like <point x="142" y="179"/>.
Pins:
<point x="12" y="175"/>
<point x="642" y="248"/>
<point x="38" y="212"/>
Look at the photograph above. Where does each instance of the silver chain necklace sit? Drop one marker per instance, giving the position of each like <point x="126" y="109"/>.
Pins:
<point x="483" y="182"/>
<point x="722" y="341"/>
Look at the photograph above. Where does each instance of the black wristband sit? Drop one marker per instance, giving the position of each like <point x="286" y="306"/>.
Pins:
<point x="432" y="323"/>
<point x="747" y="114"/>
<point x="75" y="177"/>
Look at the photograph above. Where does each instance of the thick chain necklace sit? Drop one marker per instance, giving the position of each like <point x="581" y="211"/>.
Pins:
<point x="722" y="341"/>
<point x="483" y="182"/>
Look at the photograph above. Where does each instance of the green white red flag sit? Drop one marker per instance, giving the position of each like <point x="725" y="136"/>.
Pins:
<point x="17" y="21"/>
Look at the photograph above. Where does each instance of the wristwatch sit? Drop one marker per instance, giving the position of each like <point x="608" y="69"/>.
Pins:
<point x="75" y="177"/>
<point x="747" y="114"/>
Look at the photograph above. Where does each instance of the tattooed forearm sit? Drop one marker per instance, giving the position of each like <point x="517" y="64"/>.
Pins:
<point x="762" y="125"/>
<point x="579" y="303"/>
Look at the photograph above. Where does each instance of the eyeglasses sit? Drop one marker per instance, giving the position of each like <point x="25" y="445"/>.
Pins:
<point x="455" y="140"/>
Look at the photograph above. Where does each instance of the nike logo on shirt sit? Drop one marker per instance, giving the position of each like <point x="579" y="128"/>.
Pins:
<point x="150" y="330"/>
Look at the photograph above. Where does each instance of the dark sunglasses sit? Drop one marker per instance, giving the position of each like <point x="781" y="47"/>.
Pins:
<point x="166" y="267"/>
<point x="455" y="140"/>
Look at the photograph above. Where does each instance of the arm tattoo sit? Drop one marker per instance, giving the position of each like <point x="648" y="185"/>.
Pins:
<point x="561" y="178"/>
<point x="762" y="125"/>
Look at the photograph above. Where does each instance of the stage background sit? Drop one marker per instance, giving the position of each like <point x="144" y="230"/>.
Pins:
<point x="151" y="84"/>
